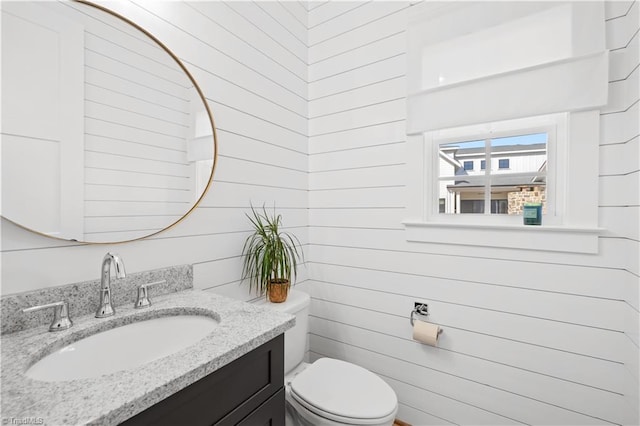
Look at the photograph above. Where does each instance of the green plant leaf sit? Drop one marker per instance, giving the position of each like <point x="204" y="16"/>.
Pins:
<point x="269" y="253"/>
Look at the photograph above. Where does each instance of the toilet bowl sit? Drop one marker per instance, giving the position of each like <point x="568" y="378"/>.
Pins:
<point x="329" y="391"/>
<point x="335" y="392"/>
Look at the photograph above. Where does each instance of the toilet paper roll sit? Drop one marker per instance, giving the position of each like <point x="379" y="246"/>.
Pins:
<point x="426" y="332"/>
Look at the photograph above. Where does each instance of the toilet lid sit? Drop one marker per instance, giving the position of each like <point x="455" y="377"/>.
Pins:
<point x="343" y="391"/>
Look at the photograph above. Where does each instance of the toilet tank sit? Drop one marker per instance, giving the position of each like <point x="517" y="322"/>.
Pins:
<point x="295" y="339"/>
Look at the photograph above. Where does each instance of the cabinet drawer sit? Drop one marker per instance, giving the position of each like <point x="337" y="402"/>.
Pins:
<point x="270" y="413"/>
<point x="231" y="392"/>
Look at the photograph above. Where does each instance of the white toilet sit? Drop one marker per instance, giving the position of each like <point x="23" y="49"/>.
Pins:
<point x="329" y="391"/>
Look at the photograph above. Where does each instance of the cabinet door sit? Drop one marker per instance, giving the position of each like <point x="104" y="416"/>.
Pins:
<point x="226" y="396"/>
<point x="270" y="413"/>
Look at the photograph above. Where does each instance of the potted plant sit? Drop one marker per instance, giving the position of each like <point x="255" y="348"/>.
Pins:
<point x="270" y="256"/>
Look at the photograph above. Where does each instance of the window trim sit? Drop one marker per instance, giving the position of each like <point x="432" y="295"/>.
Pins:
<point x="537" y="87"/>
<point x="554" y="125"/>
<point x="541" y="238"/>
<point x="574" y="227"/>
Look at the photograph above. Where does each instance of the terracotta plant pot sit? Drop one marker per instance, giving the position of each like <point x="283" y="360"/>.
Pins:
<point x="278" y="290"/>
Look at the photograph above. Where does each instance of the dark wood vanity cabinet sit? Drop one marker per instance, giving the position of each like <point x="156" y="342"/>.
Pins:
<point x="249" y="391"/>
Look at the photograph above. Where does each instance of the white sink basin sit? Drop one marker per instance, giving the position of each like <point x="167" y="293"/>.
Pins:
<point x="122" y="348"/>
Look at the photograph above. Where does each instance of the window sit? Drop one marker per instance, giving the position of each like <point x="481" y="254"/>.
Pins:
<point x="453" y="98"/>
<point x="497" y="190"/>
<point x="483" y="164"/>
<point x="442" y="205"/>
<point x="479" y="203"/>
<point x="477" y="206"/>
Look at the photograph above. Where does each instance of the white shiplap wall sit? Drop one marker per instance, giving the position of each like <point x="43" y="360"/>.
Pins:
<point x="530" y="337"/>
<point x="250" y="60"/>
<point x="309" y="104"/>
<point x="137" y="102"/>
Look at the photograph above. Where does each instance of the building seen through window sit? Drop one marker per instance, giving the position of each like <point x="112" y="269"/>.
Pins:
<point x="512" y="172"/>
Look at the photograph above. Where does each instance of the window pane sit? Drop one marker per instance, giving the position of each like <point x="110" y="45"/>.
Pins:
<point x="472" y="206"/>
<point x="518" y="174"/>
<point x="518" y="154"/>
<point x="457" y="177"/>
<point x="499" y="200"/>
<point x="529" y="194"/>
<point x="458" y="158"/>
<point x="499" y="206"/>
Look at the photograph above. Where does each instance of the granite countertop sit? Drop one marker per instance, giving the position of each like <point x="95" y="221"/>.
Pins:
<point x="115" y="397"/>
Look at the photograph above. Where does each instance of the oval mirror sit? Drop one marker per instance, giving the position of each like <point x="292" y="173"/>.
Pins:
<point x="106" y="137"/>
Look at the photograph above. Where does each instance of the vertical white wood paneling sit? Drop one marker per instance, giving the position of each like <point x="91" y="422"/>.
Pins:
<point x="365" y="276"/>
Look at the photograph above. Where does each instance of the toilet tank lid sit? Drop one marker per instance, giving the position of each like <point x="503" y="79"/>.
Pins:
<point x="296" y="301"/>
<point x="345" y="390"/>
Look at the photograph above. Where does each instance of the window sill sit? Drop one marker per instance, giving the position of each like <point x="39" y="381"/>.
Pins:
<point x="524" y="237"/>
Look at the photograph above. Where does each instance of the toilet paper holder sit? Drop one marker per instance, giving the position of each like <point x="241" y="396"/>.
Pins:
<point x="421" y="309"/>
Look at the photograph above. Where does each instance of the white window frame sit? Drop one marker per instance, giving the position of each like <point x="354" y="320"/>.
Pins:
<point x="555" y="126"/>
<point x="572" y="226"/>
<point x="571" y="81"/>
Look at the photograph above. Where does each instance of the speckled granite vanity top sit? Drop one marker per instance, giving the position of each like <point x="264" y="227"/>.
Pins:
<point x="113" y="398"/>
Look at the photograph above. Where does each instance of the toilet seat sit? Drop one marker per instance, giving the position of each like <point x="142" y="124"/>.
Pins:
<point x="344" y="393"/>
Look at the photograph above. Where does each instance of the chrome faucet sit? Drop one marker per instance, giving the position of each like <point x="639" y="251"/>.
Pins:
<point x="61" y="320"/>
<point x="106" y="309"/>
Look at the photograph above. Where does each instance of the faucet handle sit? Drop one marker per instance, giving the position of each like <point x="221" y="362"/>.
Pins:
<point x="143" y="295"/>
<point x="61" y="320"/>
